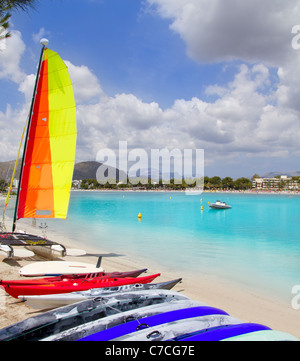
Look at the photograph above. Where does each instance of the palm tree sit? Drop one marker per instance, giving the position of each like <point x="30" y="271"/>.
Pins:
<point x="6" y="6"/>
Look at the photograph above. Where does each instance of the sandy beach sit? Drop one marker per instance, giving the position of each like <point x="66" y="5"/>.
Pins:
<point x="240" y="302"/>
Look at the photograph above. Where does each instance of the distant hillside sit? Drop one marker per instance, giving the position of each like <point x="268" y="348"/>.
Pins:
<point x="293" y="173"/>
<point x="6" y="170"/>
<point x="87" y="170"/>
<point x="82" y="170"/>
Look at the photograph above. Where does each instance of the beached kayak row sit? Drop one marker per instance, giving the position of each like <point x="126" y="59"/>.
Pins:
<point x="122" y="306"/>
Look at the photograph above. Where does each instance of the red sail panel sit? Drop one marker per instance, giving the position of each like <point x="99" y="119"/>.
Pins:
<point x="36" y="189"/>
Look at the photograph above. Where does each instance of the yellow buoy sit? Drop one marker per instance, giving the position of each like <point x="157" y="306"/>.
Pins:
<point x="201" y="208"/>
<point x="140" y="216"/>
<point x="170" y="197"/>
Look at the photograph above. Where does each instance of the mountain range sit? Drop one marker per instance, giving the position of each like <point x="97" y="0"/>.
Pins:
<point x="88" y="170"/>
<point x="82" y="170"/>
<point x="293" y="173"/>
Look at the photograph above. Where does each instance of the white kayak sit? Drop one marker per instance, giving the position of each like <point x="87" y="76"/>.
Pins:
<point x="64" y="299"/>
<point x="89" y="328"/>
<point x="57" y="268"/>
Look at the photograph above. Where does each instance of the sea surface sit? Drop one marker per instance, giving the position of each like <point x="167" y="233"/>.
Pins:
<point x="255" y="243"/>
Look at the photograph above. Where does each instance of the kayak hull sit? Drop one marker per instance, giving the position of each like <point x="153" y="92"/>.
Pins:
<point x="73" y="285"/>
<point x="59" y="300"/>
<point x="52" y="322"/>
<point x="64" y="278"/>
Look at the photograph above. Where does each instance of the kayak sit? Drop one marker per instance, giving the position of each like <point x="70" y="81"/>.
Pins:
<point x="73" y="285"/>
<point x="154" y="320"/>
<point x="170" y="330"/>
<point x="59" y="300"/>
<point x="171" y="302"/>
<point x="222" y="333"/>
<point x="64" y="278"/>
<point x="61" y="319"/>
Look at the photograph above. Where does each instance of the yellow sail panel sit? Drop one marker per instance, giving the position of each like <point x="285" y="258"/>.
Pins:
<point x="62" y="131"/>
<point x="50" y="153"/>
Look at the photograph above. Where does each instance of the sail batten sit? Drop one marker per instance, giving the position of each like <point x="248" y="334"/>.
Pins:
<point x="50" y="150"/>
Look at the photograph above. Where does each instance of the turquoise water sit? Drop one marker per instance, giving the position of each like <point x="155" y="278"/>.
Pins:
<point x="255" y="243"/>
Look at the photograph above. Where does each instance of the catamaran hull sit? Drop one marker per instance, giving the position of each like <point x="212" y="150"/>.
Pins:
<point x="8" y="252"/>
<point x="56" y="251"/>
<point x="59" y="300"/>
<point x="49" y="252"/>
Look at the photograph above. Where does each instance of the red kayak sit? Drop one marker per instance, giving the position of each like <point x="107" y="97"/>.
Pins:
<point x="64" y="278"/>
<point x="74" y="285"/>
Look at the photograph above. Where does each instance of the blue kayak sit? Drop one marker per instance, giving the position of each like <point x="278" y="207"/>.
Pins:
<point x="222" y="333"/>
<point x="166" y="317"/>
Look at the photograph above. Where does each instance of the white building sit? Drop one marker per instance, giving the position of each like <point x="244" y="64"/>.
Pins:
<point x="279" y="183"/>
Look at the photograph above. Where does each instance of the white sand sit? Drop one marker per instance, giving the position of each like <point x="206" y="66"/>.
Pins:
<point x="240" y="302"/>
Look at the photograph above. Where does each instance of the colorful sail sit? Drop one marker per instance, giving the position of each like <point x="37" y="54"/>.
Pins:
<point x="49" y="157"/>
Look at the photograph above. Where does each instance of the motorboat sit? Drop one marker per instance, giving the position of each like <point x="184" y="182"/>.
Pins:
<point x="219" y="205"/>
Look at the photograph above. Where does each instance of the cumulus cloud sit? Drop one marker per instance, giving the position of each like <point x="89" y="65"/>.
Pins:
<point x="85" y="83"/>
<point x="243" y="119"/>
<point x="10" y="58"/>
<point x="218" y="30"/>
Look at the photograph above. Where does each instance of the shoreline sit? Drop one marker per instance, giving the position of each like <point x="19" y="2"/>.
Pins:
<point x="130" y="190"/>
<point x="246" y="304"/>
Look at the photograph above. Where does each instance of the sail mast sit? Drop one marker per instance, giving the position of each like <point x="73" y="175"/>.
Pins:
<point x="44" y="42"/>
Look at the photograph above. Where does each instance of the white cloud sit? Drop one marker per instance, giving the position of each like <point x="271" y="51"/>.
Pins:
<point x="85" y="83"/>
<point x="241" y="120"/>
<point x="42" y="33"/>
<point x="10" y="58"/>
<point x="223" y="30"/>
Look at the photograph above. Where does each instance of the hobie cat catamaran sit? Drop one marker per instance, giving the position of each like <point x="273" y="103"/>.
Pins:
<point x="48" y="157"/>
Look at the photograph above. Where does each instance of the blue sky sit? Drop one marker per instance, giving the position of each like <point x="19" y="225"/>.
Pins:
<point x="128" y="46"/>
<point x="161" y="73"/>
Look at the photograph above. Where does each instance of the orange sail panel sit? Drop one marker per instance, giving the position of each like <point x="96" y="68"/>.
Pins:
<point x="50" y="151"/>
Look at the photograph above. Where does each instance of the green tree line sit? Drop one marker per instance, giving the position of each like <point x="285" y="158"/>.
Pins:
<point x="214" y="183"/>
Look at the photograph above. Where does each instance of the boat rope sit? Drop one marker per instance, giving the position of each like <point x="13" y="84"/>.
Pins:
<point x="12" y="178"/>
